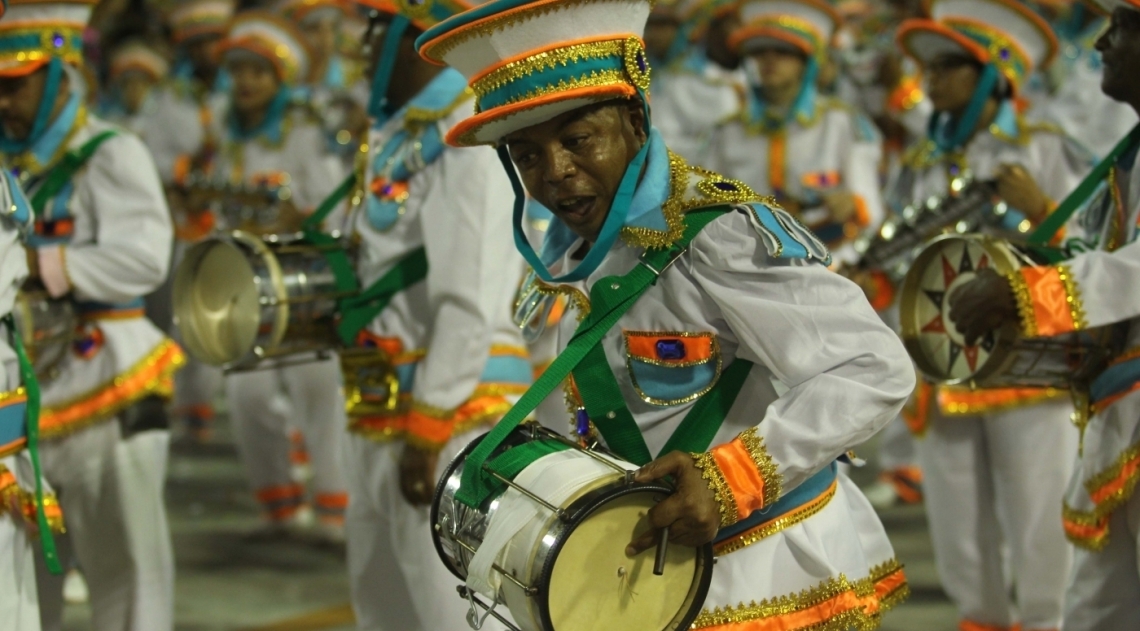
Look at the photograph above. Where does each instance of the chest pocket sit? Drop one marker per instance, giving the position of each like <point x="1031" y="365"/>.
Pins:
<point x="672" y="368"/>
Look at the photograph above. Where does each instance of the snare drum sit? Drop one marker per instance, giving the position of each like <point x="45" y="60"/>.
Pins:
<point x="555" y="545"/>
<point x="1003" y="358"/>
<point x="239" y="299"/>
<point x="46" y="326"/>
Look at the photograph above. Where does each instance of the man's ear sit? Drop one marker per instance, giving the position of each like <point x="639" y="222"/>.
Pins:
<point x="637" y="120"/>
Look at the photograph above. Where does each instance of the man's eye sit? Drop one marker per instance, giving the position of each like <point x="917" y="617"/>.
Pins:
<point x="523" y="158"/>
<point x="575" y="141"/>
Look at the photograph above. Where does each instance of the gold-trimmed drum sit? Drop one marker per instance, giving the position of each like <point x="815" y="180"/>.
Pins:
<point x="46" y="326"/>
<point x="1004" y="357"/>
<point x="240" y="299"/>
<point x="557" y="537"/>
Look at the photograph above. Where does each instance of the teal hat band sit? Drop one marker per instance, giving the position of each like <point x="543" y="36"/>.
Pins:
<point x="585" y="65"/>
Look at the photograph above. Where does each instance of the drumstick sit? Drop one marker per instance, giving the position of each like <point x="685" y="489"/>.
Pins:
<point x="662" y="547"/>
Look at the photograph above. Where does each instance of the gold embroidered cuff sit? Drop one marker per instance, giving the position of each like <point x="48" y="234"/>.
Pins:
<point x="1073" y="297"/>
<point x="712" y="474"/>
<point x="773" y="481"/>
<point x="1024" y="303"/>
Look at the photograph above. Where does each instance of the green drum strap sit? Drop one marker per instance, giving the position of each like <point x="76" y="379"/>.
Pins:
<point x="610" y="298"/>
<point x="606" y="406"/>
<point x="32" y="388"/>
<point x="1056" y="220"/>
<point x="357" y="311"/>
<point x="68" y="165"/>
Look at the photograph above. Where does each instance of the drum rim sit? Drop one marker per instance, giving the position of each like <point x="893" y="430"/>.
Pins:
<point x="276" y="278"/>
<point x="581" y="509"/>
<point x="910" y="335"/>
<point x="441" y="486"/>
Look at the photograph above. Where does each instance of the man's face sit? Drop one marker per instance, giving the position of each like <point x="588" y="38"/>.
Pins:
<point x="716" y="40"/>
<point x="19" y="102"/>
<point x="1120" y="49"/>
<point x="779" y="68"/>
<point x="406" y="54"/>
<point x="135" y="86"/>
<point x="255" y="83"/>
<point x="660" y="32"/>
<point x="320" y="34"/>
<point x="574" y="163"/>
<point x="952" y="80"/>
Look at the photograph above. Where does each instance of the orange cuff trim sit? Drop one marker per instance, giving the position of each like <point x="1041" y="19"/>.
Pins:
<point x="1055" y="299"/>
<point x="153" y="374"/>
<point x="964" y="402"/>
<point x="741" y="475"/>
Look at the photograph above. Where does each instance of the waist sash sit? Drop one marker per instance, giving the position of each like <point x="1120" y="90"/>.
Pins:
<point x="1116" y="381"/>
<point x="13" y="421"/>
<point x="800" y="503"/>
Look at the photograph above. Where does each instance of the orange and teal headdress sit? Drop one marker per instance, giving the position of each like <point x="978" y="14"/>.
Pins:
<point x="138" y="57"/>
<point x="301" y="11"/>
<point x="273" y="38"/>
<point x="422" y="14"/>
<point x="1003" y="33"/>
<point x="1108" y="6"/>
<point x="196" y="18"/>
<point x="531" y="60"/>
<point x="698" y="14"/>
<point x="808" y="26"/>
<point x="33" y="33"/>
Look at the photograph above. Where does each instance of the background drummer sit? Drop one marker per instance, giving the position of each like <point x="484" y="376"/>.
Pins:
<point x="987" y="479"/>
<point x="459" y="359"/>
<point x="1096" y="287"/>
<point x="102" y="240"/>
<point x="267" y="142"/>
<point x="805" y="537"/>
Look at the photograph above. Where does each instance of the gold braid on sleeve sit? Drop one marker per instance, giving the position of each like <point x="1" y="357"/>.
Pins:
<point x="712" y="474"/>
<point x="1024" y="303"/>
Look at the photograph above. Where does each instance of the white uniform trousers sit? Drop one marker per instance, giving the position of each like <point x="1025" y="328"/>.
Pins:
<point x="993" y="486"/>
<point x="263" y="404"/>
<point x="110" y="491"/>
<point x="1104" y="591"/>
<point x="19" y="607"/>
<point x="397" y="579"/>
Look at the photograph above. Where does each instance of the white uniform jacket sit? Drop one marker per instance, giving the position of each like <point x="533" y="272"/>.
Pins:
<point x="824" y="146"/>
<point x="1096" y="288"/>
<point x="826" y="375"/>
<point x="104" y="241"/>
<point x="690" y="97"/>
<point x="457" y="354"/>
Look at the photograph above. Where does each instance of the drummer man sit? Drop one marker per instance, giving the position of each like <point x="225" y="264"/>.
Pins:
<point x="560" y="90"/>
<point x="266" y="142"/>
<point x="1095" y="288"/>
<point x="988" y="488"/>
<point x="459" y="359"/>
<point x="17" y="475"/>
<point x="102" y="240"/>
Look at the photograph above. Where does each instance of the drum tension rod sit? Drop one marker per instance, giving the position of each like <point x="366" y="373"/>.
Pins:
<point x="550" y="507"/>
<point x="530" y="591"/>
<point x="469" y="595"/>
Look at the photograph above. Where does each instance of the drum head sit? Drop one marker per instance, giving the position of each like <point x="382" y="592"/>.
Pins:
<point x="216" y="302"/>
<point x="935" y="344"/>
<point x="593" y="585"/>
